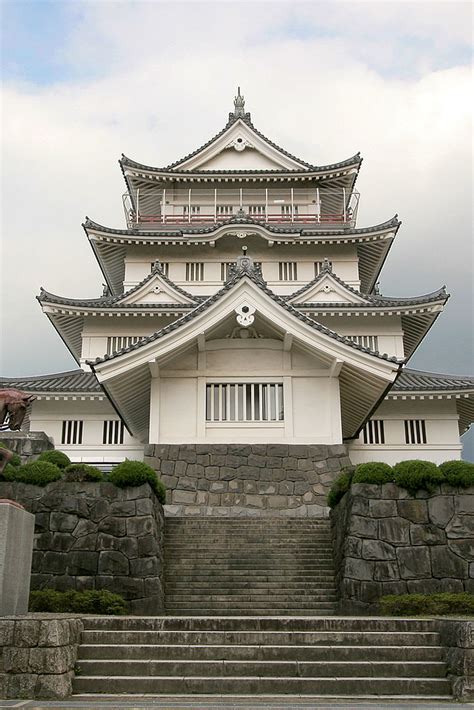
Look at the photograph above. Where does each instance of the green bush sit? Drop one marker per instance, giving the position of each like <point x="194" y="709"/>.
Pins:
<point x="8" y="473"/>
<point x="458" y="473"/>
<point x="15" y="459"/>
<point x="374" y="472"/>
<point x="340" y="486"/>
<point x="80" y="472"/>
<point x="37" y="473"/>
<point x="59" y="458"/>
<point x="427" y="604"/>
<point x="416" y="475"/>
<point x="136" y="473"/>
<point x="91" y="601"/>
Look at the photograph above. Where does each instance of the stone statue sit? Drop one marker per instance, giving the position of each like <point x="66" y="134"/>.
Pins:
<point x="13" y="406"/>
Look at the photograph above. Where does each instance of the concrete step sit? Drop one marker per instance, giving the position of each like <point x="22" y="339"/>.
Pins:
<point x="278" y="668"/>
<point x="131" y="652"/>
<point x="255" y="685"/>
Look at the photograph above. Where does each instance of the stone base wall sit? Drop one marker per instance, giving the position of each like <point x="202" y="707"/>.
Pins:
<point x="389" y="542"/>
<point x="28" y="445"/>
<point x="37" y="656"/>
<point x="96" y="536"/>
<point x="457" y="636"/>
<point x="247" y="479"/>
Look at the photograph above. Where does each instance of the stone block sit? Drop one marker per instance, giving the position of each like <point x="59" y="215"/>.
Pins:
<point x="358" y="569"/>
<point x="381" y="508"/>
<point x="353" y="547"/>
<point x="16" y="660"/>
<point x="215" y="487"/>
<point x="377" y="550"/>
<point x="414" y="563"/>
<point x="169" y="481"/>
<point x="427" y="534"/>
<point x="461" y="526"/>
<point x="255" y="501"/>
<point x="113" y="526"/>
<point x="434" y="586"/>
<point x="464" y="503"/>
<point x="54" y="633"/>
<point x="180" y="468"/>
<point x="445" y="563"/>
<point x="212" y="473"/>
<point x="26" y="632"/>
<point x="391" y="490"/>
<point x="113" y="562"/>
<point x="396" y="531"/>
<point x="188" y="484"/>
<point x="363" y="527"/>
<point x="414" y="510"/>
<point x="82" y="562"/>
<point x="86" y="527"/>
<point x="21" y="686"/>
<point x="441" y="510"/>
<point x="16" y="548"/>
<point x="366" y="490"/>
<point x="394" y="587"/>
<point x="386" y="571"/>
<point x="370" y="592"/>
<point x="144" y="524"/>
<point x="203" y="484"/>
<point x="54" y="562"/>
<point x="227" y="473"/>
<point x="236" y="486"/>
<point x="257" y="460"/>
<point x="360" y="506"/>
<point x="54" y="687"/>
<point x="145" y="567"/>
<point x="463" y="548"/>
<point x="145" y="546"/>
<point x="7" y="627"/>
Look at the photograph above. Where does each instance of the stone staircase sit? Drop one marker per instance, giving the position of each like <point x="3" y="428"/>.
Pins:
<point x="314" y="657"/>
<point x="239" y="566"/>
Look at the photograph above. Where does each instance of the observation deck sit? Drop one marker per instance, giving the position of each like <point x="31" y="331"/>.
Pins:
<point x="158" y="208"/>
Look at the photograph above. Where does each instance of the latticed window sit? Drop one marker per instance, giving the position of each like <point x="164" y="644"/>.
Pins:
<point x="224" y="210"/>
<point x="256" y="210"/>
<point x="367" y="341"/>
<point x="118" y="342"/>
<point x="319" y="265"/>
<point x="195" y="210"/>
<point x="195" y="271"/>
<point x="415" y="431"/>
<point x="286" y="210"/>
<point x="245" y="402"/>
<point x="72" y="431"/>
<point x="373" y="432"/>
<point x="112" y="432"/>
<point x="287" y="271"/>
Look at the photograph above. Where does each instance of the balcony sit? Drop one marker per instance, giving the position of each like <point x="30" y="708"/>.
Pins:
<point x="155" y="209"/>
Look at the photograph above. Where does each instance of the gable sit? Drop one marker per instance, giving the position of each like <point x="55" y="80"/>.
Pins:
<point x="240" y="147"/>
<point x="156" y="290"/>
<point x="326" y="289"/>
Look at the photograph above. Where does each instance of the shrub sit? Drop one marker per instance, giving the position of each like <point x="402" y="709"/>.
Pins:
<point x="136" y="473"/>
<point x="374" y="472"/>
<point x="82" y="472"/>
<point x="8" y="473"/>
<point x="427" y="604"/>
<point x="15" y="459"/>
<point x="37" y="473"/>
<point x="91" y="601"/>
<point x="458" y="473"/>
<point x="340" y="486"/>
<point x="59" y="458"/>
<point x="415" y="475"/>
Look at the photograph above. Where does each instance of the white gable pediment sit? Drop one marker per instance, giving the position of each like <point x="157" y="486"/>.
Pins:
<point x="156" y="290"/>
<point x="240" y="148"/>
<point x="327" y="290"/>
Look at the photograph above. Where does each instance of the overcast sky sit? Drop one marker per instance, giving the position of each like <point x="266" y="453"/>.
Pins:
<point x="85" y="81"/>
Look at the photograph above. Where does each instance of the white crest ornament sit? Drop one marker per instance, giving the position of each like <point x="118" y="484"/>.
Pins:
<point x="245" y="315"/>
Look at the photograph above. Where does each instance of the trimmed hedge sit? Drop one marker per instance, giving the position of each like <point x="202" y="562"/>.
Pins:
<point x="15" y="459"/>
<point x="36" y="473"/>
<point x="375" y="472"/>
<point x="458" y="473"/>
<point x="91" y="601"/>
<point x="340" y="487"/>
<point x="80" y="472"/>
<point x="416" y="474"/>
<point x="58" y="458"/>
<point x="136" y="473"/>
<point x="427" y="604"/>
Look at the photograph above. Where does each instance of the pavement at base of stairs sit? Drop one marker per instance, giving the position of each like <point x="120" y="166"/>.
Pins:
<point x="266" y="703"/>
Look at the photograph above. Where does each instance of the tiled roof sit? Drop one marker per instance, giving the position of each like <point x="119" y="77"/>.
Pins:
<point x="254" y="275"/>
<point x="69" y="381"/>
<point x="419" y="380"/>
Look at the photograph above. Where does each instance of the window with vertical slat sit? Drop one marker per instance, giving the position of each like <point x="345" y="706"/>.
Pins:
<point x="112" y="432"/>
<point x="287" y="271"/>
<point x="245" y="402"/>
<point x="373" y="432"/>
<point x="72" y="431"/>
<point x="195" y="271"/>
<point x="415" y="431"/>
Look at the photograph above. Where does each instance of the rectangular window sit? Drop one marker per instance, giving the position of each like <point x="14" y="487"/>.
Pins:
<point x="226" y="210"/>
<point x="373" y="432"/>
<point x="415" y="431"/>
<point x="195" y="210"/>
<point x="256" y="210"/>
<point x="72" y="431"/>
<point x="164" y="266"/>
<point x="318" y="267"/>
<point x="118" y="342"/>
<point x="366" y="341"/>
<point x="253" y="402"/>
<point x="225" y="269"/>
<point x="112" y="432"/>
<point x="286" y="210"/>
<point x="287" y="271"/>
<point x="194" y="271"/>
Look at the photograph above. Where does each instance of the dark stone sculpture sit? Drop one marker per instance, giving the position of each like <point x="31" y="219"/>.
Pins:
<point x="13" y="406"/>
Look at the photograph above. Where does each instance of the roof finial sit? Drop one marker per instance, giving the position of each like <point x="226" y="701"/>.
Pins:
<point x="239" y="104"/>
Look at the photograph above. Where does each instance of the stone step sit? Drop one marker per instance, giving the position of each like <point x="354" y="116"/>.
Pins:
<point x="355" y="638"/>
<point x="237" y="546"/>
<point x="174" y="587"/>
<point x="160" y="685"/>
<point x="255" y="576"/>
<point x="222" y="564"/>
<point x="130" y="652"/>
<point x="227" y="594"/>
<point x="224" y="610"/>
<point x="278" y="668"/>
<point x="229" y="597"/>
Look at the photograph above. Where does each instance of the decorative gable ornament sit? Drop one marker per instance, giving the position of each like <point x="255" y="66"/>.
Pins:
<point x="239" y="143"/>
<point x="245" y="314"/>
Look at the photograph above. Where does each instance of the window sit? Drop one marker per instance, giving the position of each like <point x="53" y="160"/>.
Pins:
<point x="367" y="341"/>
<point x="112" y="432"/>
<point x="224" y="210"/>
<point x="195" y="210"/>
<point x="415" y="431"/>
<point x="255" y="402"/>
<point x="72" y="431"/>
<point x="118" y="342"/>
<point x="164" y="266"/>
<point x="373" y="432"/>
<point x="319" y="265"/>
<point x="256" y="210"/>
<point x="287" y="271"/>
<point x="286" y="210"/>
<point x="195" y="271"/>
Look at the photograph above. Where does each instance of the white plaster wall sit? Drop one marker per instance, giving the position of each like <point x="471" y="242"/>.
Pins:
<point x="248" y="159"/>
<point x="388" y="329"/>
<point x="98" y="329"/>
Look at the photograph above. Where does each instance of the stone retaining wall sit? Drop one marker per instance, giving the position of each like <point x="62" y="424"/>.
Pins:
<point x="389" y="542"/>
<point x="28" y="445"/>
<point x="457" y="636"/>
<point x="96" y="536"/>
<point x="247" y="479"/>
<point x="38" y="655"/>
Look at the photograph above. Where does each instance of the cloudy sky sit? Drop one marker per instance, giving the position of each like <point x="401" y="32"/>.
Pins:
<point x="86" y="80"/>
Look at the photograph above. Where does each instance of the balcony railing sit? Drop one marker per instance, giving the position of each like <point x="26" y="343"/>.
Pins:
<point x="150" y="209"/>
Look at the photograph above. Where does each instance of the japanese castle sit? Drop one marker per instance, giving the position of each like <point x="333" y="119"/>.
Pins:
<point x="242" y="307"/>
